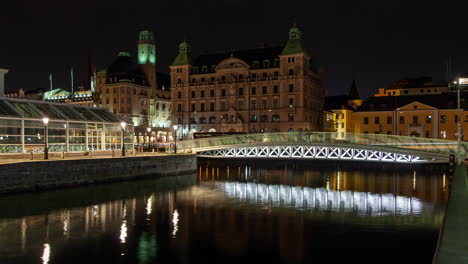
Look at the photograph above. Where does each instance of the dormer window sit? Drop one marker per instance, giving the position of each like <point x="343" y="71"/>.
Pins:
<point x="255" y="64"/>
<point x="266" y="64"/>
<point x="204" y="69"/>
<point x="213" y="68"/>
<point x="195" y="69"/>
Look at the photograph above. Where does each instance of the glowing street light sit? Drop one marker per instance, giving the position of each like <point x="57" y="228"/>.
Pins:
<point x="123" y="124"/>
<point x="175" y="138"/>
<point x="148" y="136"/>
<point x="45" y="120"/>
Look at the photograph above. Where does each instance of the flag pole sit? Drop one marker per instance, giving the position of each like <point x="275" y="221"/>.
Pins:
<point x="50" y="79"/>
<point x="71" y="79"/>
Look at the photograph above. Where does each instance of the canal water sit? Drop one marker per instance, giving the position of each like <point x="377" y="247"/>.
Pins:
<point x="235" y="212"/>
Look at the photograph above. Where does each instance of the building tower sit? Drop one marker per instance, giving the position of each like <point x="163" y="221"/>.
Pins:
<point x="147" y="57"/>
<point x="354" y="99"/>
<point x="301" y="73"/>
<point x="180" y="75"/>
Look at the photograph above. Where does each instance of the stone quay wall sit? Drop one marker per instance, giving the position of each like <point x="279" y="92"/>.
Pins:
<point x="38" y="175"/>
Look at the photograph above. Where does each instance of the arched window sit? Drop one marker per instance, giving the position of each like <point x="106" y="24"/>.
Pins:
<point x="212" y="120"/>
<point x="193" y="120"/>
<point x="202" y="120"/>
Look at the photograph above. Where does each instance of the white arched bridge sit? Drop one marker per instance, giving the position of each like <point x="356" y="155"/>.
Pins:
<point x="326" y="145"/>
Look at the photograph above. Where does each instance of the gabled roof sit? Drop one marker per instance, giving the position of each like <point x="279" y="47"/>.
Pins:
<point x="390" y="103"/>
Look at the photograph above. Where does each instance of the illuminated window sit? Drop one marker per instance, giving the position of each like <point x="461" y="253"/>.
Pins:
<point x="428" y="119"/>
<point x="443" y="134"/>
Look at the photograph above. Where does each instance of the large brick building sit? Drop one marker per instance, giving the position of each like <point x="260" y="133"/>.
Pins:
<point x="136" y="91"/>
<point x="265" y="89"/>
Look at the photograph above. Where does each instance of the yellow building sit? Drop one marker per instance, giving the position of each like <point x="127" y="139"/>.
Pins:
<point x="343" y="107"/>
<point x="429" y="116"/>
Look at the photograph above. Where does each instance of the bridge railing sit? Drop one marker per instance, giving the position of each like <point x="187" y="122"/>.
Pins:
<point x="327" y="138"/>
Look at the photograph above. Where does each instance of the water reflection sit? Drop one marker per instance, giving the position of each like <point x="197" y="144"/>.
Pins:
<point x="233" y="213"/>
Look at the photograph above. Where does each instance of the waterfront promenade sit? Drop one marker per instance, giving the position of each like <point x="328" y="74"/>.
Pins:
<point x="453" y="242"/>
<point x="20" y="174"/>
<point x="12" y="158"/>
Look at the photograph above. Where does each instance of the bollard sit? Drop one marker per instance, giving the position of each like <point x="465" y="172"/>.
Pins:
<point x="113" y="153"/>
<point x="134" y="153"/>
<point x="90" y="153"/>
<point x="63" y="154"/>
<point x="152" y="151"/>
<point x="451" y="164"/>
<point x="32" y="155"/>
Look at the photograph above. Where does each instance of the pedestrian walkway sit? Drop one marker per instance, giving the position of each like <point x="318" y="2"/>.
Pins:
<point x="37" y="157"/>
<point x="453" y="242"/>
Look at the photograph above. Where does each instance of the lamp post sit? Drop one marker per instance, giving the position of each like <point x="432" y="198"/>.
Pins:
<point x="458" y="123"/>
<point x="175" y="139"/>
<point x="149" y="134"/>
<point x="122" y="125"/>
<point x="45" y="120"/>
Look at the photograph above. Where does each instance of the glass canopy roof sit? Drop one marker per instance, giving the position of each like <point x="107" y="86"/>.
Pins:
<point x="21" y="108"/>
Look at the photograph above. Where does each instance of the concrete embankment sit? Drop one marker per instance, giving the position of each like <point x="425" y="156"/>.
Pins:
<point x="453" y="241"/>
<point x="37" y="175"/>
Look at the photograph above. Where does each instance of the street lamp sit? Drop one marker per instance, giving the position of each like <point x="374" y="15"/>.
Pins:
<point x="459" y="129"/>
<point x="149" y="134"/>
<point x="123" y="124"/>
<point x="45" y="120"/>
<point x="175" y="139"/>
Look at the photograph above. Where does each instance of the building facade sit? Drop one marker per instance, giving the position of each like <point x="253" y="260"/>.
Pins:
<point x="137" y="92"/>
<point x="429" y="116"/>
<point x="268" y="89"/>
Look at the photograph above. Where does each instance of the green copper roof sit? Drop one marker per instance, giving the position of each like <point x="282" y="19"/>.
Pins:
<point x="183" y="58"/>
<point x="294" y="45"/>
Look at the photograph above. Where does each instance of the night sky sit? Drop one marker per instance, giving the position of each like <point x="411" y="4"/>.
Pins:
<point x="376" y="42"/>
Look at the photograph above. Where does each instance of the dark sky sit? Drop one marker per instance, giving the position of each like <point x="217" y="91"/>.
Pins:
<point x="374" y="41"/>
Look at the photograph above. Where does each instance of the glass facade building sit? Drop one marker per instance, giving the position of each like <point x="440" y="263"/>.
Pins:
<point x="70" y="127"/>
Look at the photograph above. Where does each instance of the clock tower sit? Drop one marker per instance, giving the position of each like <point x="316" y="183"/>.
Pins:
<point x="147" y="57"/>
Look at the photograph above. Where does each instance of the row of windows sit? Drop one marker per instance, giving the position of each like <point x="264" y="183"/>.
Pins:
<point x="443" y="133"/>
<point x="122" y="91"/>
<point x="232" y="119"/>
<point x="238" y="77"/>
<point x="240" y="91"/>
<point x="415" y="119"/>
<point x="253" y="105"/>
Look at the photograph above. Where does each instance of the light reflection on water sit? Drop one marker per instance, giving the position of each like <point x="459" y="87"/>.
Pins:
<point x="232" y="213"/>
